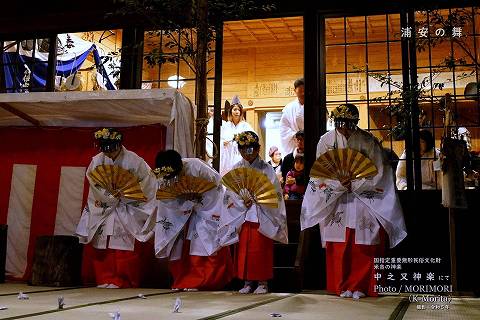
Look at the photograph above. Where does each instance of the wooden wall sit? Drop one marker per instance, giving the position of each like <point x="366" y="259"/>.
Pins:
<point x="261" y="74"/>
<point x="262" y="70"/>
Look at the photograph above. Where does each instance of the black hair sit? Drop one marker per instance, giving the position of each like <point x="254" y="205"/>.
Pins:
<point x="300" y="158"/>
<point x="109" y="145"/>
<point x="169" y="158"/>
<point x="300" y="134"/>
<point x="230" y="111"/>
<point x="299" y="82"/>
<point x="427" y="136"/>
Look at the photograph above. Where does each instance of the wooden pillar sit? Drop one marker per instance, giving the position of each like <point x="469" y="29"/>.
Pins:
<point x="315" y="82"/>
<point x="417" y="165"/>
<point x="201" y="99"/>
<point x="217" y="96"/>
<point x="52" y="63"/>
<point x="405" y="88"/>
<point x="132" y="58"/>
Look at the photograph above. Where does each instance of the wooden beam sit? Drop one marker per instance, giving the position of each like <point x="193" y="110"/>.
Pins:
<point x="264" y="44"/>
<point x="249" y="31"/>
<point x="226" y="28"/>
<point x="20" y="114"/>
<point x="289" y="30"/>
<point x="269" y="30"/>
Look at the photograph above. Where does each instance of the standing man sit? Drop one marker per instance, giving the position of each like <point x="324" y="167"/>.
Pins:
<point x="355" y="217"/>
<point x="253" y="225"/>
<point x="111" y="223"/>
<point x="292" y="118"/>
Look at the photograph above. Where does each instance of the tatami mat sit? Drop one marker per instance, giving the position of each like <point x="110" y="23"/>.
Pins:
<point x="195" y="305"/>
<point x="47" y="301"/>
<point x="15" y="288"/>
<point x="93" y="304"/>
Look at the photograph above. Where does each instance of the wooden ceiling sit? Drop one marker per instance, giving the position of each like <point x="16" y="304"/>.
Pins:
<point x="291" y="29"/>
<point x="263" y="30"/>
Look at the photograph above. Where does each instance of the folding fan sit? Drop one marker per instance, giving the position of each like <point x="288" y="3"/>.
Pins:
<point x="251" y="184"/>
<point x="343" y="165"/>
<point x="188" y="187"/>
<point x="117" y="181"/>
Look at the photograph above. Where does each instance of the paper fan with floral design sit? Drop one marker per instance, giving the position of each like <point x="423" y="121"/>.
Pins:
<point x="343" y="165"/>
<point x="251" y="184"/>
<point x="187" y="187"/>
<point x="118" y="181"/>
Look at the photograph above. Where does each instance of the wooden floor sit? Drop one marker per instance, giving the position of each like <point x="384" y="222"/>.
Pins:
<point x="93" y="303"/>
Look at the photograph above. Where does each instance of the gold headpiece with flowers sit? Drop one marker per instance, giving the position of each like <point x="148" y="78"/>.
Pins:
<point x="163" y="171"/>
<point x="245" y="139"/>
<point x="108" y="134"/>
<point x="344" y="112"/>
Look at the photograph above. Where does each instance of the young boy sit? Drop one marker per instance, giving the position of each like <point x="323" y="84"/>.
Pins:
<point x="296" y="181"/>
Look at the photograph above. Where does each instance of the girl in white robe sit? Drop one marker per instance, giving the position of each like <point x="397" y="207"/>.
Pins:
<point x="353" y="215"/>
<point x="186" y="229"/>
<point x="253" y="226"/>
<point x="112" y="224"/>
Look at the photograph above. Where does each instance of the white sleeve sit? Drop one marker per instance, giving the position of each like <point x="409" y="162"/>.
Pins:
<point x="401" y="175"/>
<point x="287" y="133"/>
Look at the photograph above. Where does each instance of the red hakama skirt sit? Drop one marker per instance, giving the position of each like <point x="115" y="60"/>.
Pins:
<point x="202" y="273"/>
<point x="253" y="254"/>
<point x="350" y="266"/>
<point x="119" y="267"/>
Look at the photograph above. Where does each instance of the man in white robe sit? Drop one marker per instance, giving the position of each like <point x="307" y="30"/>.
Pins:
<point x="292" y="119"/>
<point x="115" y="222"/>
<point x="252" y="225"/>
<point x="353" y="215"/>
<point x="186" y="229"/>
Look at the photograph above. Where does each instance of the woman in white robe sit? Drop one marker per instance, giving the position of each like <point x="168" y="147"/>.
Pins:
<point x="236" y="123"/>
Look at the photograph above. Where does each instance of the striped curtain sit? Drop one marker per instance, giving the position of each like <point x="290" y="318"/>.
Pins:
<point x="42" y="182"/>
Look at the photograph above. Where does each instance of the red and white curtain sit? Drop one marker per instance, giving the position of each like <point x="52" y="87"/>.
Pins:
<point x="42" y="182"/>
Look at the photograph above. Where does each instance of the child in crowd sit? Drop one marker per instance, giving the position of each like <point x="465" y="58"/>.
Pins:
<point x="296" y="181"/>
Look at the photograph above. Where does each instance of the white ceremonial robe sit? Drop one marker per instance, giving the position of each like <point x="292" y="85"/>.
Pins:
<point x="202" y="218"/>
<point x="430" y="179"/>
<point x="292" y="120"/>
<point x="122" y="219"/>
<point x="371" y="204"/>
<point x="273" y="221"/>
<point x="209" y="141"/>
<point x="229" y="154"/>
